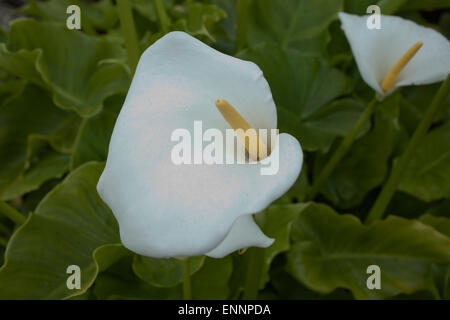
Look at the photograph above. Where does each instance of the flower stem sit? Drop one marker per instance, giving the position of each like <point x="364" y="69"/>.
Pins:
<point x="390" y="187"/>
<point x="129" y="32"/>
<point x="187" y="295"/>
<point x="342" y="149"/>
<point x="255" y="263"/>
<point x="163" y="18"/>
<point x="11" y="213"/>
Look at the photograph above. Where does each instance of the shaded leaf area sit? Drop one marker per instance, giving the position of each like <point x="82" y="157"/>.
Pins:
<point x="6" y="229"/>
<point x="332" y="251"/>
<point x="120" y="282"/>
<point x="357" y="6"/>
<point x="29" y="123"/>
<point x="210" y="281"/>
<point x="71" y="226"/>
<point x="414" y="102"/>
<point x="427" y="175"/>
<point x="363" y="168"/>
<point x="276" y="223"/>
<point x="303" y="88"/>
<point x="93" y="136"/>
<point x="285" y="286"/>
<point x="425" y="4"/>
<point x="164" y="272"/>
<point x="440" y="272"/>
<point x="80" y="71"/>
<point x="43" y="164"/>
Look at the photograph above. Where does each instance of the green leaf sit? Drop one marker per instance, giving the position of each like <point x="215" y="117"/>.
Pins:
<point x="163" y="272"/>
<point x="43" y="164"/>
<point x="100" y="14"/>
<point x="95" y="132"/>
<point x="358" y="6"/>
<point x="71" y="226"/>
<point x="11" y="89"/>
<point x="441" y="224"/>
<point x="22" y="64"/>
<point x="3" y="36"/>
<point x="289" y="24"/>
<point x="197" y="19"/>
<point x="444" y="24"/>
<point x="332" y="251"/>
<point x="120" y="282"/>
<point x="287" y="288"/>
<point x="276" y="223"/>
<point x="30" y="113"/>
<point x="415" y="101"/>
<point x="302" y="87"/>
<point x="212" y="280"/>
<point x="427" y="175"/>
<point x="425" y="4"/>
<point x="442" y="209"/>
<point x="225" y="30"/>
<point x="78" y="69"/>
<point x="441" y="273"/>
<point x="320" y="130"/>
<point x="363" y="168"/>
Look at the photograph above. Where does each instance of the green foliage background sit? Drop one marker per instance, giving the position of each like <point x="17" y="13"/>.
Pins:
<point x="61" y="92"/>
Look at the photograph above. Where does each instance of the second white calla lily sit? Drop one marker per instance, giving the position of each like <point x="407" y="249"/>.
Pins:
<point x="376" y="51"/>
<point x="169" y="210"/>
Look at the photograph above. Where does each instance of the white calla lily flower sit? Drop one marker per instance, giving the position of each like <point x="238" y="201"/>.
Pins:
<point x="169" y="210"/>
<point x="389" y="57"/>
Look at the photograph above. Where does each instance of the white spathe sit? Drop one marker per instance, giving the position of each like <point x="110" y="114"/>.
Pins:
<point x="168" y="210"/>
<point x="376" y="51"/>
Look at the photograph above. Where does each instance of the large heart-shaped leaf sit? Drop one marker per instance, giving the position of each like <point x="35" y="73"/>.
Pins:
<point x="77" y="68"/>
<point x="71" y="226"/>
<point x="332" y="250"/>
